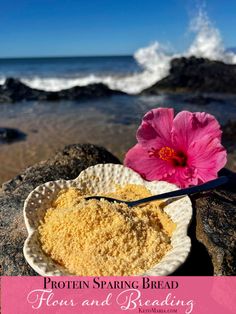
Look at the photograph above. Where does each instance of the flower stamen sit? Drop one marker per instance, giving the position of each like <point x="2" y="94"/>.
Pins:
<point x="166" y="153"/>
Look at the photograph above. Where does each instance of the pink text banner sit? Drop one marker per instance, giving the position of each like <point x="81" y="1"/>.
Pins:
<point x="111" y="295"/>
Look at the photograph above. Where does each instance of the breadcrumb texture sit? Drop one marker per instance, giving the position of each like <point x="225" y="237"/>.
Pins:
<point x="99" y="238"/>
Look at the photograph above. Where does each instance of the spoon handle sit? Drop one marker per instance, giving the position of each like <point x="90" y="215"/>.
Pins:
<point x="192" y="190"/>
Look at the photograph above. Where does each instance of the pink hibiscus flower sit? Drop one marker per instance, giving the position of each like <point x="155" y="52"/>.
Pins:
<point x="185" y="150"/>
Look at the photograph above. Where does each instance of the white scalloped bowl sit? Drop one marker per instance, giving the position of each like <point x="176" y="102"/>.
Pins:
<point x="99" y="179"/>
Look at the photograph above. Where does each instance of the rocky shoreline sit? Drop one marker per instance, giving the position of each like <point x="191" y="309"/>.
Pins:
<point x="187" y="75"/>
<point x="13" y="90"/>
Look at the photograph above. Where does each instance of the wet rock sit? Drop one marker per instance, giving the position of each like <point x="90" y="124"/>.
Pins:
<point x="17" y="91"/>
<point x="89" y="91"/>
<point x="14" y="90"/>
<point x="66" y="164"/>
<point x="196" y="75"/>
<point x="5" y="99"/>
<point x="9" y="135"/>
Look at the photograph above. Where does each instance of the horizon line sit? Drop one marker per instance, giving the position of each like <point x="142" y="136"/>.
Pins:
<point x="66" y="56"/>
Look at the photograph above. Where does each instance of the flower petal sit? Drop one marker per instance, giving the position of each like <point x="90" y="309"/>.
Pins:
<point x="183" y="177"/>
<point x="189" y="127"/>
<point x="155" y="130"/>
<point x="150" y="168"/>
<point x="208" y="157"/>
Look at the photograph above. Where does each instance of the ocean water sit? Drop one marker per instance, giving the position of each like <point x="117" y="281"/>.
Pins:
<point x="62" y="72"/>
<point x="110" y="122"/>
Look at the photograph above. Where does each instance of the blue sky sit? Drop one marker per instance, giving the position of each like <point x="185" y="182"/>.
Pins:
<point x="103" y="27"/>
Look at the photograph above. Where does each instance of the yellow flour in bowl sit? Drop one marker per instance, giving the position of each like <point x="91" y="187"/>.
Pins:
<point x="99" y="238"/>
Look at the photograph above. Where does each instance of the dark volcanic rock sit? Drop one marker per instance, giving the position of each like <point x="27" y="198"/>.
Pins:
<point x="229" y="135"/>
<point x="213" y="233"/>
<point x="5" y="99"/>
<point x="201" y="100"/>
<point x="216" y="226"/>
<point x="197" y="75"/>
<point x="13" y="90"/>
<point x="17" y="91"/>
<point x="9" y="135"/>
<point x="89" y="91"/>
<point x="66" y="164"/>
<point x="229" y="141"/>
